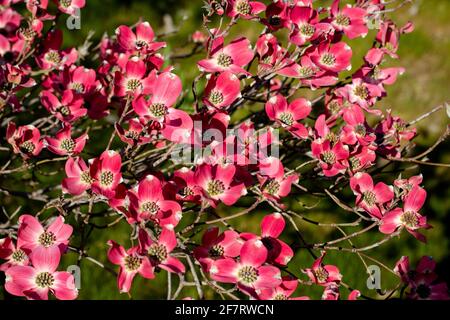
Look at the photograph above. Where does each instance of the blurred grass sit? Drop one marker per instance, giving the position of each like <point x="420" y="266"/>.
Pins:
<point x="424" y="54"/>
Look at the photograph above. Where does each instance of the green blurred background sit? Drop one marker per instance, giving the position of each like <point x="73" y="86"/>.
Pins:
<point x="424" y="53"/>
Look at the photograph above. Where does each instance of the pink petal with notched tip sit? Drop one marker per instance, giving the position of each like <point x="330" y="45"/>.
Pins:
<point x="268" y="277"/>
<point x="126" y="37"/>
<point x="173" y="265"/>
<point x="29" y="231"/>
<point x="286" y="184"/>
<point x="253" y="253"/>
<point x="391" y="221"/>
<point x="415" y="199"/>
<point x="64" y="286"/>
<point x="145" y="32"/>
<point x="225" y="173"/>
<point x="150" y="189"/>
<point x="272" y="225"/>
<point x="74" y="186"/>
<point x="146" y="269"/>
<point x="125" y="279"/>
<point x="299" y="130"/>
<point x="61" y="230"/>
<point x="135" y="69"/>
<point x="333" y="273"/>
<point x="111" y="160"/>
<point x="225" y="270"/>
<point x="361" y="182"/>
<point x="167" y="89"/>
<point x="168" y="239"/>
<point x="240" y="51"/>
<point x="383" y="192"/>
<point x="275" y="106"/>
<point x="177" y="126"/>
<point x="19" y="278"/>
<point x="300" y="108"/>
<point x="116" y="253"/>
<point x="230" y="196"/>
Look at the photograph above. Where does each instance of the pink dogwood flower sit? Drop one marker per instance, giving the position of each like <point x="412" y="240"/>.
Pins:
<point x="307" y="25"/>
<point x="133" y="81"/>
<point x="78" y="178"/>
<point x="284" y="291"/>
<point x="222" y="91"/>
<point x="35" y="282"/>
<point x="131" y="262"/>
<point x="141" y="40"/>
<point x="350" y="20"/>
<point x="409" y="216"/>
<point x="370" y="197"/>
<point x="63" y="144"/>
<point x="148" y="201"/>
<point x="105" y="171"/>
<point x="159" y="252"/>
<point x="275" y="184"/>
<point x="272" y="226"/>
<point x="68" y="108"/>
<point x="288" y="115"/>
<point x="232" y="57"/>
<point x="323" y="274"/>
<point x="332" y="158"/>
<point x="244" y="8"/>
<point x="217" y="245"/>
<point x="71" y="6"/>
<point x="335" y="57"/>
<point x="218" y="183"/>
<point x="43" y="243"/>
<point x="249" y="273"/>
<point x="25" y="140"/>
<point x="13" y="255"/>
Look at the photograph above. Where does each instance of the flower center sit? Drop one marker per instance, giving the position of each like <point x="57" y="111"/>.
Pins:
<point x="216" y="251"/>
<point x="355" y="163"/>
<point x="215" y="187"/>
<point x="132" y="263"/>
<point x="360" y="130"/>
<point x="307" y="30"/>
<point x="361" y="91"/>
<point x="280" y="296"/>
<point x="243" y="7"/>
<point x="64" y="110"/>
<point x="329" y="157"/>
<point x="216" y="97"/>
<point x="423" y="291"/>
<point x="106" y="178"/>
<point x="342" y="20"/>
<point x="306" y="72"/>
<point x="77" y="87"/>
<point x="44" y="280"/>
<point x="410" y="219"/>
<point x="370" y="198"/>
<point x="86" y="178"/>
<point x="321" y="274"/>
<point x="158" y="252"/>
<point x="224" y="60"/>
<point x="67" y="145"/>
<point x="158" y="110"/>
<point x="334" y="107"/>
<point x="287" y="118"/>
<point x="133" y="84"/>
<point x="65" y="3"/>
<point x="140" y="44"/>
<point x="28" y="146"/>
<point x="151" y="207"/>
<point x="248" y="274"/>
<point x="53" y="56"/>
<point x="186" y="191"/>
<point x="47" y="239"/>
<point x="272" y="187"/>
<point x="328" y="59"/>
<point x="28" y="34"/>
<point x="19" y="256"/>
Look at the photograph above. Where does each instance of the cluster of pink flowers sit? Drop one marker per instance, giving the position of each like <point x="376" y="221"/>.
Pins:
<point x="31" y="264"/>
<point x="137" y="86"/>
